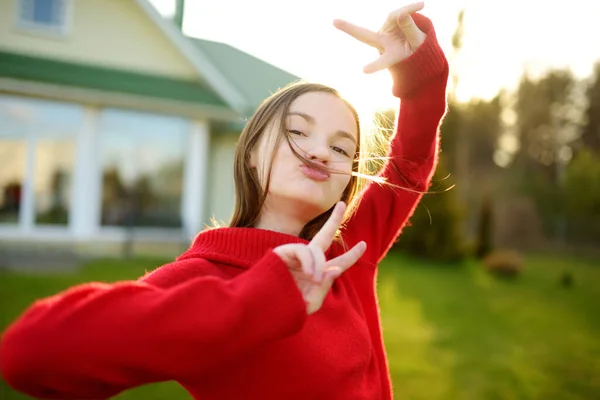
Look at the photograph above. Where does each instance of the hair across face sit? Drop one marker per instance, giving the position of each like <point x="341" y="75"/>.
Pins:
<point x="302" y="147"/>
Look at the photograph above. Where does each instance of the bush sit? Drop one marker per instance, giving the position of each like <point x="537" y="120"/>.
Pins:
<point x="485" y="231"/>
<point x="504" y="264"/>
<point x="582" y="185"/>
<point x="434" y="231"/>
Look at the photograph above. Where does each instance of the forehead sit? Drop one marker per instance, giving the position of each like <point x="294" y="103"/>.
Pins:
<point x="327" y="110"/>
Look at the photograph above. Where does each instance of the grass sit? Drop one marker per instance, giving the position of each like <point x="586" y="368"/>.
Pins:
<point x="452" y="332"/>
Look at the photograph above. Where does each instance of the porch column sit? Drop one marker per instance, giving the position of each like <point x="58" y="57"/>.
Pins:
<point x="195" y="179"/>
<point x="27" y="209"/>
<point x="85" y="200"/>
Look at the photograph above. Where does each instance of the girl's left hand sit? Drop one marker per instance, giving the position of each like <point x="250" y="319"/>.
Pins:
<point x="397" y="39"/>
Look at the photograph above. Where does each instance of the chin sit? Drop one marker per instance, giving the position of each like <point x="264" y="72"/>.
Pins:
<point x="314" y="204"/>
<point x="305" y="196"/>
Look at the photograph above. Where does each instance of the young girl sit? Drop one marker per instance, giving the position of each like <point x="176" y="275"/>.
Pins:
<point x="269" y="307"/>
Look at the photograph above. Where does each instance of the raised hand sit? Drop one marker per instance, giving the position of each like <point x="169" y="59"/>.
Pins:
<point x="314" y="275"/>
<point x="397" y="39"/>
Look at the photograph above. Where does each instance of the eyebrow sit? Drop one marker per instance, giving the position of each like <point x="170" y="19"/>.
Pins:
<point x="311" y="120"/>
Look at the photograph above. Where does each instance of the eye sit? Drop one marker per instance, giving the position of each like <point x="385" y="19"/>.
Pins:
<point x="340" y="150"/>
<point x="295" y="132"/>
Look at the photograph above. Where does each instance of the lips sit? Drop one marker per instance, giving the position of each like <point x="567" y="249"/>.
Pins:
<point x="314" y="174"/>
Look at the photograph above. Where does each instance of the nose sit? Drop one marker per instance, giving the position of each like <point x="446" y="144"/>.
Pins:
<point x="318" y="152"/>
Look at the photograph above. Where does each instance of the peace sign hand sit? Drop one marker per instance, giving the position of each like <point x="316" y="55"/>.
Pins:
<point x="397" y="39"/>
<point x="313" y="274"/>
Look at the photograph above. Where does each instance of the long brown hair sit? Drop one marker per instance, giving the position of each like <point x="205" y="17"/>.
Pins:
<point x="250" y="195"/>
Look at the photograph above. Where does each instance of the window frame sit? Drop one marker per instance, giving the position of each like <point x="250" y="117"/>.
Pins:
<point x="61" y="30"/>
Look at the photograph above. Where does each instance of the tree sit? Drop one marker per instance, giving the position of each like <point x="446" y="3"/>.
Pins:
<point x="548" y="116"/>
<point x="482" y="129"/>
<point x="485" y="232"/>
<point x="582" y="185"/>
<point x="590" y="136"/>
<point x="582" y="199"/>
<point x="434" y="231"/>
<point x="454" y="140"/>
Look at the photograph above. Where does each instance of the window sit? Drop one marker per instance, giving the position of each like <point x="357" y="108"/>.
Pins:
<point x="142" y="158"/>
<point x="54" y="164"/>
<point x="39" y="135"/>
<point x="12" y="175"/>
<point x="44" y="15"/>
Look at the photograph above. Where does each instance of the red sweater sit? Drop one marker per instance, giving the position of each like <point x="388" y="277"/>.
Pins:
<point x="226" y="319"/>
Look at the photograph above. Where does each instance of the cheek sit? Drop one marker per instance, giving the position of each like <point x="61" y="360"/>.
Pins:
<point x="268" y="160"/>
<point x="342" y="181"/>
<point x="281" y="165"/>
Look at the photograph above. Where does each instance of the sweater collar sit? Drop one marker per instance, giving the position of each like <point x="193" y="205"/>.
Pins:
<point x="240" y="247"/>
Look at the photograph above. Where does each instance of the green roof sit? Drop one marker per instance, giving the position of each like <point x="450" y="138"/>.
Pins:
<point x="37" y="69"/>
<point x="253" y="78"/>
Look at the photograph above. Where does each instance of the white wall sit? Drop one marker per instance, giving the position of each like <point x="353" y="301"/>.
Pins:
<point x="111" y="33"/>
<point x="221" y="191"/>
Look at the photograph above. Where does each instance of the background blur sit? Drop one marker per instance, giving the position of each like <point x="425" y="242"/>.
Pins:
<point x="118" y="123"/>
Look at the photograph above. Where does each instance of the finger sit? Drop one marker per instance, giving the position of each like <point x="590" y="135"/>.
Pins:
<point x="384" y="61"/>
<point x="349" y="258"/>
<point x="414" y="36"/>
<point x="331" y="275"/>
<point x="402" y="18"/>
<point x="324" y="237"/>
<point x="407" y="10"/>
<point x="304" y="255"/>
<point x="357" y="32"/>
<point x="319" y="263"/>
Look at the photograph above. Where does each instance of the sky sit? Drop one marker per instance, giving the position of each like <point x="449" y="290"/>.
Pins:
<point x="501" y="39"/>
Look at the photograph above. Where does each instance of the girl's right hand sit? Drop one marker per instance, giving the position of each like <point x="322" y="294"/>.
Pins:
<point x="314" y="275"/>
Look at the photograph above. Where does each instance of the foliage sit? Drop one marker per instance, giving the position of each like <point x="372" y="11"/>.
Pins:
<point x="485" y="231"/>
<point x="482" y="127"/>
<point x="503" y="263"/>
<point x="582" y="184"/>
<point x="549" y="114"/>
<point x="434" y="231"/>
<point x="590" y="135"/>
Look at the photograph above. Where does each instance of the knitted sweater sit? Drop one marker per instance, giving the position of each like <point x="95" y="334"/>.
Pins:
<point x="226" y="319"/>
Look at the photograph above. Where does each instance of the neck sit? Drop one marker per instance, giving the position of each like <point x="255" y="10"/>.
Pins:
<point x="285" y="217"/>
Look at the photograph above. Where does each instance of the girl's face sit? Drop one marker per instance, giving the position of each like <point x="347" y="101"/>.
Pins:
<point x="323" y="130"/>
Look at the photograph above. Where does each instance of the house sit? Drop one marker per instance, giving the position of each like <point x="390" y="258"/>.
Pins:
<point x="112" y="118"/>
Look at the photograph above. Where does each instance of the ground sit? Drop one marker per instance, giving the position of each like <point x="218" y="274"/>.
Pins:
<point x="451" y="332"/>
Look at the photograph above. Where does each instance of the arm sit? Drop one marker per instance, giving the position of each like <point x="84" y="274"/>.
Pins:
<point x="96" y="340"/>
<point x="420" y="83"/>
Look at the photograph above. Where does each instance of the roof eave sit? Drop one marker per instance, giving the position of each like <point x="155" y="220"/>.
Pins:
<point x="199" y="60"/>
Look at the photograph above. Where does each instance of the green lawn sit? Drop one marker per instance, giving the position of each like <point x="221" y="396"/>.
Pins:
<point x="451" y="332"/>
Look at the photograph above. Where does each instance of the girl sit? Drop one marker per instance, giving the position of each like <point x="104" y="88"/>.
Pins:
<point x="269" y="307"/>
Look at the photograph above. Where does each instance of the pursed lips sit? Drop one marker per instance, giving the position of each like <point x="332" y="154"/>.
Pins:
<point x="316" y="174"/>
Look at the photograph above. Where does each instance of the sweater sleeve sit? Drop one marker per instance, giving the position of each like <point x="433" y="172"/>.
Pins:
<point x="96" y="340"/>
<point x="420" y="83"/>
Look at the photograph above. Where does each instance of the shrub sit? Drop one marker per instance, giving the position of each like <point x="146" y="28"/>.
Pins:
<point x="582" y="184"/>
<point x="503" y="263"/>
<point x="485" y="229"/>
<point x="566" y="279"/>
<point x="434" y="231"/>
